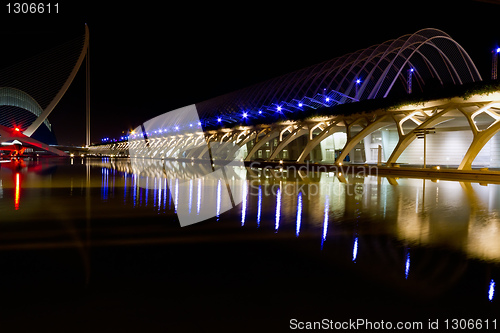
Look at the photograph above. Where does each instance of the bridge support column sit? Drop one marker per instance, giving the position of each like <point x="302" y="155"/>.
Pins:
<point x="273" y="133"/>
<point x="481" y="137"/>
<point x="371" y="126"/>
<point x="406" y="138"/>
<point x="296" y="133"/>
<point x="311" y="144"/>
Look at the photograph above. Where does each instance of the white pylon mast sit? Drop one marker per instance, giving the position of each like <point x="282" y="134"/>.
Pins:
<point x="494" y="63"/>
<point x="409" y="80"/>
<point x="87" y="97"/>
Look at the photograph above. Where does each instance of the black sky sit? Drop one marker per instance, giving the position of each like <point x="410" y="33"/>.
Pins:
<point x="150" y="57"/>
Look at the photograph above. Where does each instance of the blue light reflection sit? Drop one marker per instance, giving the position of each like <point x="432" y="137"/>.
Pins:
<point x="325" y="221"/>
<point x="299" y="214"/>
<point x="278" y="209"/>
<point x="407" y="265"/>
<point x="244" y="203"/>
<point x="165" y="194"/>
<point x="219" y="192"/>
<point x="198" y="198"/>
<point x="491" y="291"/>
<point x="176" y="200"/>
<point x="355" y="250"/>
<point x="259" y="206"/>
<point x="190" y="202"/>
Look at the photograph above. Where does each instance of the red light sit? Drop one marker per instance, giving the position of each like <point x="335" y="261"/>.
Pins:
<point x="17" y="129"/>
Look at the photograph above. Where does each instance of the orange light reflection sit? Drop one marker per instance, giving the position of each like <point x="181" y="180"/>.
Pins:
<point x="17" y="193"/>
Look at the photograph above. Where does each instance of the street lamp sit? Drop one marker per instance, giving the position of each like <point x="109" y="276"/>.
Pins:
<point x="421" y="134"/>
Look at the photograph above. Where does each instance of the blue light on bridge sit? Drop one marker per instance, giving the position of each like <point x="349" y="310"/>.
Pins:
<point x="306" y="83"/>
<point x="358" y="82"/>
<point x="498" y="49"/>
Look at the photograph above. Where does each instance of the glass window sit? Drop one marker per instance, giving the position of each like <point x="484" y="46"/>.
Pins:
<point x="376" y="137"/>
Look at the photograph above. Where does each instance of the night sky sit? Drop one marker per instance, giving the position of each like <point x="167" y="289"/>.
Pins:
<point x="148" y="58"/>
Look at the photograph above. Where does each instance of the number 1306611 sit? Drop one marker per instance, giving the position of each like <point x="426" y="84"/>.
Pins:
<point x="32" y="8"/>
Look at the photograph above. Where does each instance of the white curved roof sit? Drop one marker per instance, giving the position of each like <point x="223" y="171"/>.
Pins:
<point x="364" y="74"/>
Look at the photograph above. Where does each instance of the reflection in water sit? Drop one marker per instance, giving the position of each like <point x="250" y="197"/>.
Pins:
<point x="165" y="193"/>
<point x="407" y="264"/>
<point x="190" y="195"/>
<point x="105" y="184"/>
<point x="371" y="218"/>
<point x="219" y="192"/>
<point x="355" y="249"/>
<point x="198" y="198"/>
<point x="176" y="201"/>
<point x="299" y="214"/>
<point x="244" y="203"/>
<point x="278" y="209"/>
<point x="491" y="291"/>
<point x="170" y="194"/>
<point x="125" y="187"/>
<point x="17" y="193"/>
<point x="136" y="187"/>
<point x="466" y="217"/>
<point x="259" y="206"/>
<point x="458" y="215"/>
<point x="325" y="221"/>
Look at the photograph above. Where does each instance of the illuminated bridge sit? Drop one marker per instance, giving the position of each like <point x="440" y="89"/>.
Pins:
<point x="298" y="116"/>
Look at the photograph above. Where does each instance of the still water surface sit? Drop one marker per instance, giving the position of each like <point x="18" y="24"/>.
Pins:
<point x="434" y="243"/>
